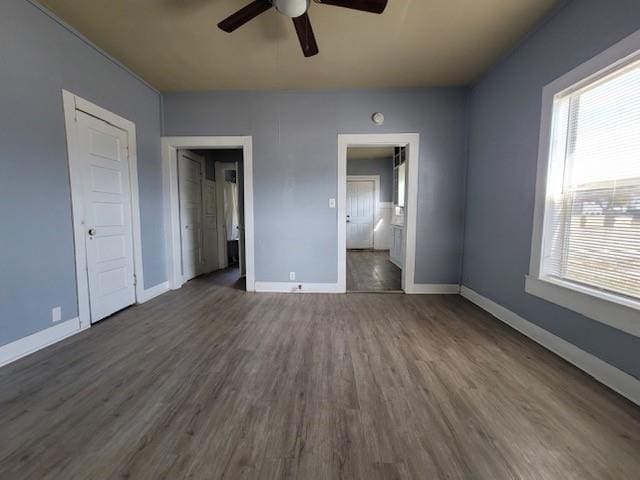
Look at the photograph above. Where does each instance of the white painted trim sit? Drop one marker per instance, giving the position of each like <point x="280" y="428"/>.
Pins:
<point x="293" y="287"/>
<point x="612" y="310"/>
<point x="412" y="142"/>
<point x="170" y="146"/>
<point x="21" y="348"/>
<point x="619" y="381"/>
<point x="153" y="292"/>
<point x="72" y="103"/>
<point x="587" y="302"/>
<point x="434" y="289"/>
<point x="376" y="198"/>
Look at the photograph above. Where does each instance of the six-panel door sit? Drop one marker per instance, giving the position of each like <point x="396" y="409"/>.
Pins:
<point x="106" y="199"/>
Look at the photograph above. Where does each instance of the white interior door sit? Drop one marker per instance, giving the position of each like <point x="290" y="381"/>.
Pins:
<point x="210" y="226"/>
<point x="360" y="213"/>
<point x="190" y="174"/>
<point x="106" y="203"/>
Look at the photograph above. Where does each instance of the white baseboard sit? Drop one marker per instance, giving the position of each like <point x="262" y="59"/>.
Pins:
<point x="20" y="348"/>
<point x="433" y="289"/>
<point x="153" y="292"/>
<point x="293" y="287"/>
<point x="614" y="378"/>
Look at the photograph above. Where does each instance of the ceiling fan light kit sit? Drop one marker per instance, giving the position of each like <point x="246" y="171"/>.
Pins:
<point x="291" y="8"/>
<point x="297" y="11"/>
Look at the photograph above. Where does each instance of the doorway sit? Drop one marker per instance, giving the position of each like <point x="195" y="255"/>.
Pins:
<point x="377" y="204"/>
<point x="210" y="188"/>
<point x="372" y="185"/>
<point x="209" y="213"/>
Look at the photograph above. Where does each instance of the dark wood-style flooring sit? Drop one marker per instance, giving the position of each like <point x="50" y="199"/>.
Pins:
<point x="371" y="271"/>
<point x="212" y="382"/>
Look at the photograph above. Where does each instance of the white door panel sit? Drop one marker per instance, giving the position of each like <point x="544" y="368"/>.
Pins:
<point x="360" y="214"/>
<point x="210" y="226"/>
<point x="107" y="216"/>
<point x="190" y="177"/>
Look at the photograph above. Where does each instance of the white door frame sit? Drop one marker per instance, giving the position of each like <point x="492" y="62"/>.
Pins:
<point x="170" y="147"/>
<point x="412" y="142"/>
<point x="71" y="104"/>
<point x="376" y="198"/>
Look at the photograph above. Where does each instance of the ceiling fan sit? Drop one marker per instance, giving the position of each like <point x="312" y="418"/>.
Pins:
<point x="297" y="10"/>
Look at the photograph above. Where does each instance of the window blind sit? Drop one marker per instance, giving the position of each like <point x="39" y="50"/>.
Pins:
<point x="592" y="220"/>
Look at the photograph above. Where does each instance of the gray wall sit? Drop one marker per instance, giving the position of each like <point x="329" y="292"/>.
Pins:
<point x="504" y="129"/>
<point x="295" y="168"/>
<point x="38" y="58"/>
<point x="375" y="166"/>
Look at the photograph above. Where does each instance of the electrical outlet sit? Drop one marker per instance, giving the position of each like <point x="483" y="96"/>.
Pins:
<point x="292" y="275"/>
<point x="56" y="314"/>
<point x="332" y="203"/>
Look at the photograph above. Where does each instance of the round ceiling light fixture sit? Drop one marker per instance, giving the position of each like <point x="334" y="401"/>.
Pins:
<point x="378" y="118"/>
<point x="291" y="8"/>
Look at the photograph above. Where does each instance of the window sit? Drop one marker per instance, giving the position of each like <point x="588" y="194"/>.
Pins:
<point x="592" y="222"/>
<point x="586" y="242"/>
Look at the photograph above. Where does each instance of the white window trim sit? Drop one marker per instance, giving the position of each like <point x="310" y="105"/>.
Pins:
<point x="615" y="311"/>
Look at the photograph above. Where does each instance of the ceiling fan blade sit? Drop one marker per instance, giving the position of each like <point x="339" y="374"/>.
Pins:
<point x="371" y="6"/>
<point x="244" y="15"/>
<point x="305" y="35"/>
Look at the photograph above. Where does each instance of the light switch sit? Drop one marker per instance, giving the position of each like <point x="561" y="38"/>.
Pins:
<point x="332" y="203"/>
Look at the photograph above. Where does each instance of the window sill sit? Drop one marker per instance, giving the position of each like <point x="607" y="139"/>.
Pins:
<point x="609" y="309"/>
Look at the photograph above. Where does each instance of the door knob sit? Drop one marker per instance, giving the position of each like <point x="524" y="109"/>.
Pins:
<point x="92" y="231"/>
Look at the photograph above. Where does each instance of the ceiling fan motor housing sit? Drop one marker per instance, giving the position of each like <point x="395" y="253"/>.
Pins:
<point x="291" y="8"/>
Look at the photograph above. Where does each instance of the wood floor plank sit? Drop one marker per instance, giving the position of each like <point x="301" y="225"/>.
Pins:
<point x="372" y="271"/>
<point x="212" y="382"/>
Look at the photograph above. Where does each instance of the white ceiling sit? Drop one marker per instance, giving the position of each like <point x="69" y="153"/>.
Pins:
<point x="176" y="46"/>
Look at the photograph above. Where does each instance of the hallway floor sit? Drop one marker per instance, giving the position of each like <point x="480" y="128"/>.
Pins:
<point x="371" y="271"/>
